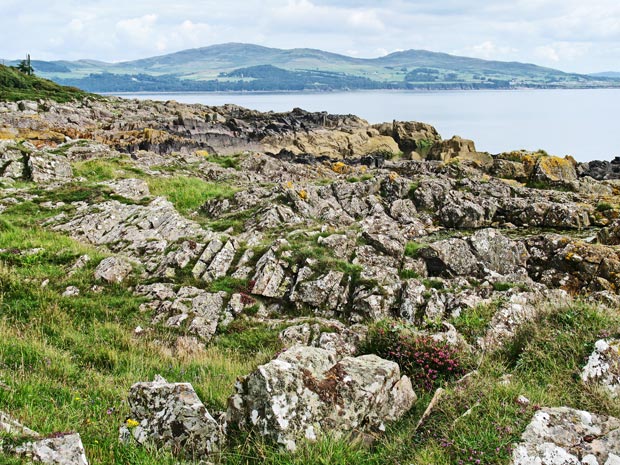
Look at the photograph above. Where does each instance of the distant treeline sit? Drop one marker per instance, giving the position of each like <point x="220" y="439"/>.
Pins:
<point x="268" y="78"/>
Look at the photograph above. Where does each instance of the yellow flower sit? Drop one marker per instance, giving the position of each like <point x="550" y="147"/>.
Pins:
<point x="303" y="194"/>
<point x="289" y="184"/>
<point x="131" y="423"/>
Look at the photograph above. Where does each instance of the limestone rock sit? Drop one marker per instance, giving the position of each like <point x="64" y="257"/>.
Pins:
<point x="497" y="252"/>
<point x="564" y="436"/>
<point x="171" y="416"/>
<point x="304" y="394"/>
<point x="133" y="189"/>
<point x="61" y="449"/>
<point x="554" y="170"/>
<point x="603" y="366"/>
<point x="452" y="257"/>
<point x="610" y="235"/>
<point x="113" y="270"/>
<point x="45" y="168"/>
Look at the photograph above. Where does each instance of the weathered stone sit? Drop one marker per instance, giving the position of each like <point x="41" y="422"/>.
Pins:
<point x="603" y="367"/>
<point x="171" y="416"/>
<point x="610" y="235"/>
<point x="45" y="168"/>
<point x="133" y="189"/>
<point x="113" y="270"/>
<point x="302" y="394"/>
<point x="322" y="293"/>
<point x="498" y="253"/>
<point x="452" y="257"/>
<point x="564" y="436"/>
<point x="61" y="449"/>
<point x="269" y="279"/>
<point x="554" y="170"/>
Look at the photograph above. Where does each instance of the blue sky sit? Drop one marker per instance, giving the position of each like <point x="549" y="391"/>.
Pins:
<point x="570" y="35"/>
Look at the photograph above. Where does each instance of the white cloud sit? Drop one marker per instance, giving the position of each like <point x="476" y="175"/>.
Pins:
<point x="569" y="34"/>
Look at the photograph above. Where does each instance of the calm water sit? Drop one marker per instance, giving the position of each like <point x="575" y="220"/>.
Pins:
<point x="582" y="123"/>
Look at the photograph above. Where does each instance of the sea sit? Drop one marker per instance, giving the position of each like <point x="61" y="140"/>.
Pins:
<point x="584" y="123"/>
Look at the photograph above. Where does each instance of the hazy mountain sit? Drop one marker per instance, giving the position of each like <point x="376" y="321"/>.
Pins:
<point x="252" y="67"/>
<point x="607" y="74"/>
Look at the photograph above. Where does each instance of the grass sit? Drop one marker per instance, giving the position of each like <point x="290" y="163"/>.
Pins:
<point x="473" y="323"/>
<point x="70" y="363"/>
<point x="187" y="194"/>
<point x="15" y="86"/>
<point x="412" y="248"/>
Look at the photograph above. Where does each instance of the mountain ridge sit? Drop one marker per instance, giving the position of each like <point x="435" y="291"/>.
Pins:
<point x="209" y="68"/>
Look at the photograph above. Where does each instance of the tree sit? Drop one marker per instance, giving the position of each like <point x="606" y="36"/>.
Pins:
<point x="25" y="66"/>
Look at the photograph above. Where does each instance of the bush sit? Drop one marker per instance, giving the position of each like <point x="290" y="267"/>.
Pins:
<point x="427" y="362"/>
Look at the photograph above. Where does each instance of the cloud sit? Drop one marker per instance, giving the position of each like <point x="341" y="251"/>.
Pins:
<point x="569" y="34"/>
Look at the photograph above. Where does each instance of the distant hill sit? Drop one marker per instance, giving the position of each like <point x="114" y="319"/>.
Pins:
<point x="250" y="67"/>
<point x="607" y="74"/>
<point x="15" y="86"/>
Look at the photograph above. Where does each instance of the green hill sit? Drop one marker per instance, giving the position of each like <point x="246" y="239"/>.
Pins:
<point x="15" y="86"/>
<point x="219" y="67"/>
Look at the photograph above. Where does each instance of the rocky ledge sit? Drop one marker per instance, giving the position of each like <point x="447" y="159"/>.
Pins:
<point x="322" y="226"/>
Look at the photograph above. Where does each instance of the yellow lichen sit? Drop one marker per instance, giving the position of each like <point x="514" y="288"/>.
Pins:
<point x="393" y="176"/>
<point x="202" y="153"/>
<point x="339" y="167"/>
<point x="303" y="194"/>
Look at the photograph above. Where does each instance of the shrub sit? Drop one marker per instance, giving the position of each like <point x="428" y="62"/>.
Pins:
<point x="427" y="362"/>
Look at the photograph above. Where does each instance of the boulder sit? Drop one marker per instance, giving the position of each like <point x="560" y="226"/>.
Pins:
<point x="461" y="149"/>
<point x="60" y="449"/>
<point x="133" y="189"/>
<point x="610" y="235"/>
<point x="305" y="394"/>
<point x="603" y="367"/>
<point x="450" y="257"/>
<point x="552" y="170"/>
<point x="565" y="436"/>
<point x="44" y="168"/>
<point x="171" y="416"/>
<point x="113" y="270"/>
<point x="411" y="136"/>
<point x="497" y="253"/>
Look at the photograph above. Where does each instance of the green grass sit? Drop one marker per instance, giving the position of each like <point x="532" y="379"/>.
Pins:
<point x="15" y="86"/>
<point x="473" y="323"/>
<point x="107" y="169"/>
<point x="412" y="248"/>
<point x="187" y="194"/>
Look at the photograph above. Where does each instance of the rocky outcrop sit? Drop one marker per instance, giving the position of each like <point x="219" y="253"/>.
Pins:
<point x="55" y="449"/>
<point x="113" y="270"/>
<point x="601" y="170"/>
<point x="171" y="416"/>
<point x="197" y="311"/>
<point x="603" y="367"/>
<point x="414" y="139"/>
<point x="144" y="233"/>
<point x="305" y="394"/>
<point x="564" y="436"/>
<point x="61" y="449"/>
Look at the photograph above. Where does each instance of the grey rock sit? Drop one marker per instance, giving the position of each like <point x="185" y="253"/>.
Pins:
<point x="65" y="449"/>
<point x="113" y="270"/>
<point x="565" y="436"/>
<point x="603" y="367"/>
<point x="45" y="168"/>
<point x="133" y="189"/>
<point x="171" y="416"/>
<point x="498" y="253"/>
<point x="304" y="394"/>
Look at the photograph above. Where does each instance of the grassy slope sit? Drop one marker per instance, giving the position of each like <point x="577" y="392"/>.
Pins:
<point x="16" y="86"/>
<point x="71" y="361"/>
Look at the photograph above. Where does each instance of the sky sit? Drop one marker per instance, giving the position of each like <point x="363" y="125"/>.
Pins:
<point x="572" y="35"/>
